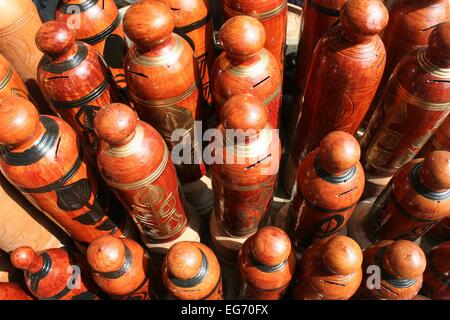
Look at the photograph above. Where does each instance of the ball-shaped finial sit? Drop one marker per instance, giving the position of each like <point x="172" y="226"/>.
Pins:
<point x="184" y="260"/>
<point x="342" y="255"/>
<point x="55" y="38"/>
<point x="364" y="17"/>
<point x="339" y="151"/>
<point x="106" y="254"/>
<point x="404" y="259"/>
<point x="24" y="258"/>
<point x="270" y="246"/>
<point x="115" y="123"/>
<point x="439" y="41"/>
<point x="245" y="112"/>
<point x="148" y="23"/>
<point x="18" y="120"/>
<point x="435" y="172"/>
<point x="242" y="36"/>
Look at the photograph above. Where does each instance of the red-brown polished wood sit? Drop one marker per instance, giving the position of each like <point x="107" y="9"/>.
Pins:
<point x="10" y="82"/>
<point x="416" y="198"/>
<point x="12" y="291"/>
<point x="246" y="165"/>
<point x="20" y="22"/>
<point x="191" y="271"/>
<point x="55" y="274"/>
<point x="410" y="25"/>
<point x="42" y="157"/>
<point x="415" y="103"/>
<point x="398" y="264"/>
<point x="345" y="71"/>
<point x="193" y="22"/>
<point x="272" y="14"/>
<point x="330" y="269"/>
<point x="163" y="79"/>
<point x="441" y="231"/>
<point x="74" y="78"/>
<point x="135" y="162"/>
<point x="121" y="268"/>
<point x="266" y="264"/>
<point x="97" y="22"/>
<point x="246" y="67"/>
<point x="330" y="182"/>
<point x="439" y="141"/>
<point x="436" y="284"/>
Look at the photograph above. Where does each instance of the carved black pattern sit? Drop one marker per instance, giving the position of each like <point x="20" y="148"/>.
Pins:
<point x="115" y="51"/>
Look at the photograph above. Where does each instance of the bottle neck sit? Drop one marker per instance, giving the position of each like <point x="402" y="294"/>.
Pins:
<point x="38" y="133"/>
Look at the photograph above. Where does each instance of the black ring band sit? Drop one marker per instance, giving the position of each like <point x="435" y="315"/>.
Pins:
<point x="197" y="279"/>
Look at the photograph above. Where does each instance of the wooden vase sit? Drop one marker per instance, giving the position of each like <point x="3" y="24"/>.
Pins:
<point x="74" y="77"/>
<point x="415" y="103"/>
<point x="55" y="274"/>
<point x="399" y="266"/>
<point x="98" y="23"/>
<point x="245" y="166"/>
<point x="435" y="278"/>
<point x="246" y="66"/>
<point x="272" y="14"/>
<point x="191" y="271"/>
<point x="42" y="157"/>
<point x="266" y="264"/>
<point x="330" y="269"/>
<point x="330" y="182"/>
<point x="439" y="141"/>
<point x="10" y="82"/>
<point x="164" y="82"/>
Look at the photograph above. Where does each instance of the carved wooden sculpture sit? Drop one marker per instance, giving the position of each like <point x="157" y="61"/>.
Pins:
<point x="436" y="283"/>
<point x="10" y="82"/>
<point x="42" y="157"/>
<point x="190" y="271"/>
<point x="74" y="78"/>
<point x="12" y="291"/>
<point x="330" y="269"/>
<point x="246" y="66"/>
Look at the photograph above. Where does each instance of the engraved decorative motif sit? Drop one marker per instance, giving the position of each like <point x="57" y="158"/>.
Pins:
<point x="166" y="58"/>
<point x="259" y="16"/>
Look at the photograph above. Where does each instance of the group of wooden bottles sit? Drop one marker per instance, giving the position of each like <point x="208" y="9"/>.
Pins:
<point x="121" y="106"/>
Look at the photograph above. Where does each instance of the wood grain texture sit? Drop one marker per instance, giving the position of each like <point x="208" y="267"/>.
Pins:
<point x="10" y="82"/>
<point x="42" y="157"/>
<point x="441" y="231"/>
<point x="12" y="291"/>
<point x="435" y="284"/>
<point x="439" y="141"/>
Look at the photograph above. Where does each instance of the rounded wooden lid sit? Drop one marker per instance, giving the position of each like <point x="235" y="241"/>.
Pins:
<point x="364" y="17"/>
<point x="115" y="123"/>
<point x="242" y="36"/>
<point x="404" y="259"/>
<point x="18" y="120"/>
<point x="184" y="260"/>
<point x="339" y="151"/>
<point x="106" y="254"/>
<point x="435" y="172"/>
<point x="55" y="38"/>
<point x="25" y="258"/>
<point x="244" y="111"/>
<point x="148" y="23"/>
<point x="270" y="246"/>
<point x="342" y="255"/>
<point x="439" y="41"/>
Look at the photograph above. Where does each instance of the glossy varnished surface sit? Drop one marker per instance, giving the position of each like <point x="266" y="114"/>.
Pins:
<point x="10" y="82"/>
<point x="12" y="291"/>
<point x="435" y="279"/>
<point x="439" y="141"/>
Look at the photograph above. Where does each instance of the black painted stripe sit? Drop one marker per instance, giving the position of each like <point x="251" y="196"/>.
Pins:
<point x="386" y="276"/>
<point x="265" y="268"/>
<point x="124" y="269"/>
<point x="71" y="63"/>
<point x="193" y="26"/>
<point x="41" y="274"/>
<point x="197" y="279"/>
<point x="424" y="191"/>
<point x="81" y="7"/>
<point x="320" y="171"/>
<point x="103" y="34"/>
<point x="324" y="10"/>
<point x="38" y="150"/>
<point x="97" y="92"/>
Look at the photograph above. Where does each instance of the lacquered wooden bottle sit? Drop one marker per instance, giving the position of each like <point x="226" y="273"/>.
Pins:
<point x="266" y="264"/>
<point x="345" y="71"/>
<point x="74" y="78"/>
<point x="330" y="182"/>
<point x="439" y="141"/>
<point x="246" y="164"/>
<point x="135" y="162"/>
<point x="10" y="82"/>
<point x="416" y="198"/>
<point x="120" y="267"/>
<point x="330" y="269"/>
<point x="415" y="103"/>
<point x="98" y="23"/>
<point x="440" y="232"/>
<point x="42" y="157"/>
<point x="271" y="13"/>
<point x="395" y="269"/>
<point x="246" y="66"/>
<point x="17" y="29"/>
<point x="163" y="79"/>
<point x="21" y="224"/>
<point x="194" y="23"/>
<point x="55" y="274"/>
<point x="191" y="271"/>
<point x="435" y="279"/>
<point x="410" y="25"/>
<point x="12" y="291"/>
